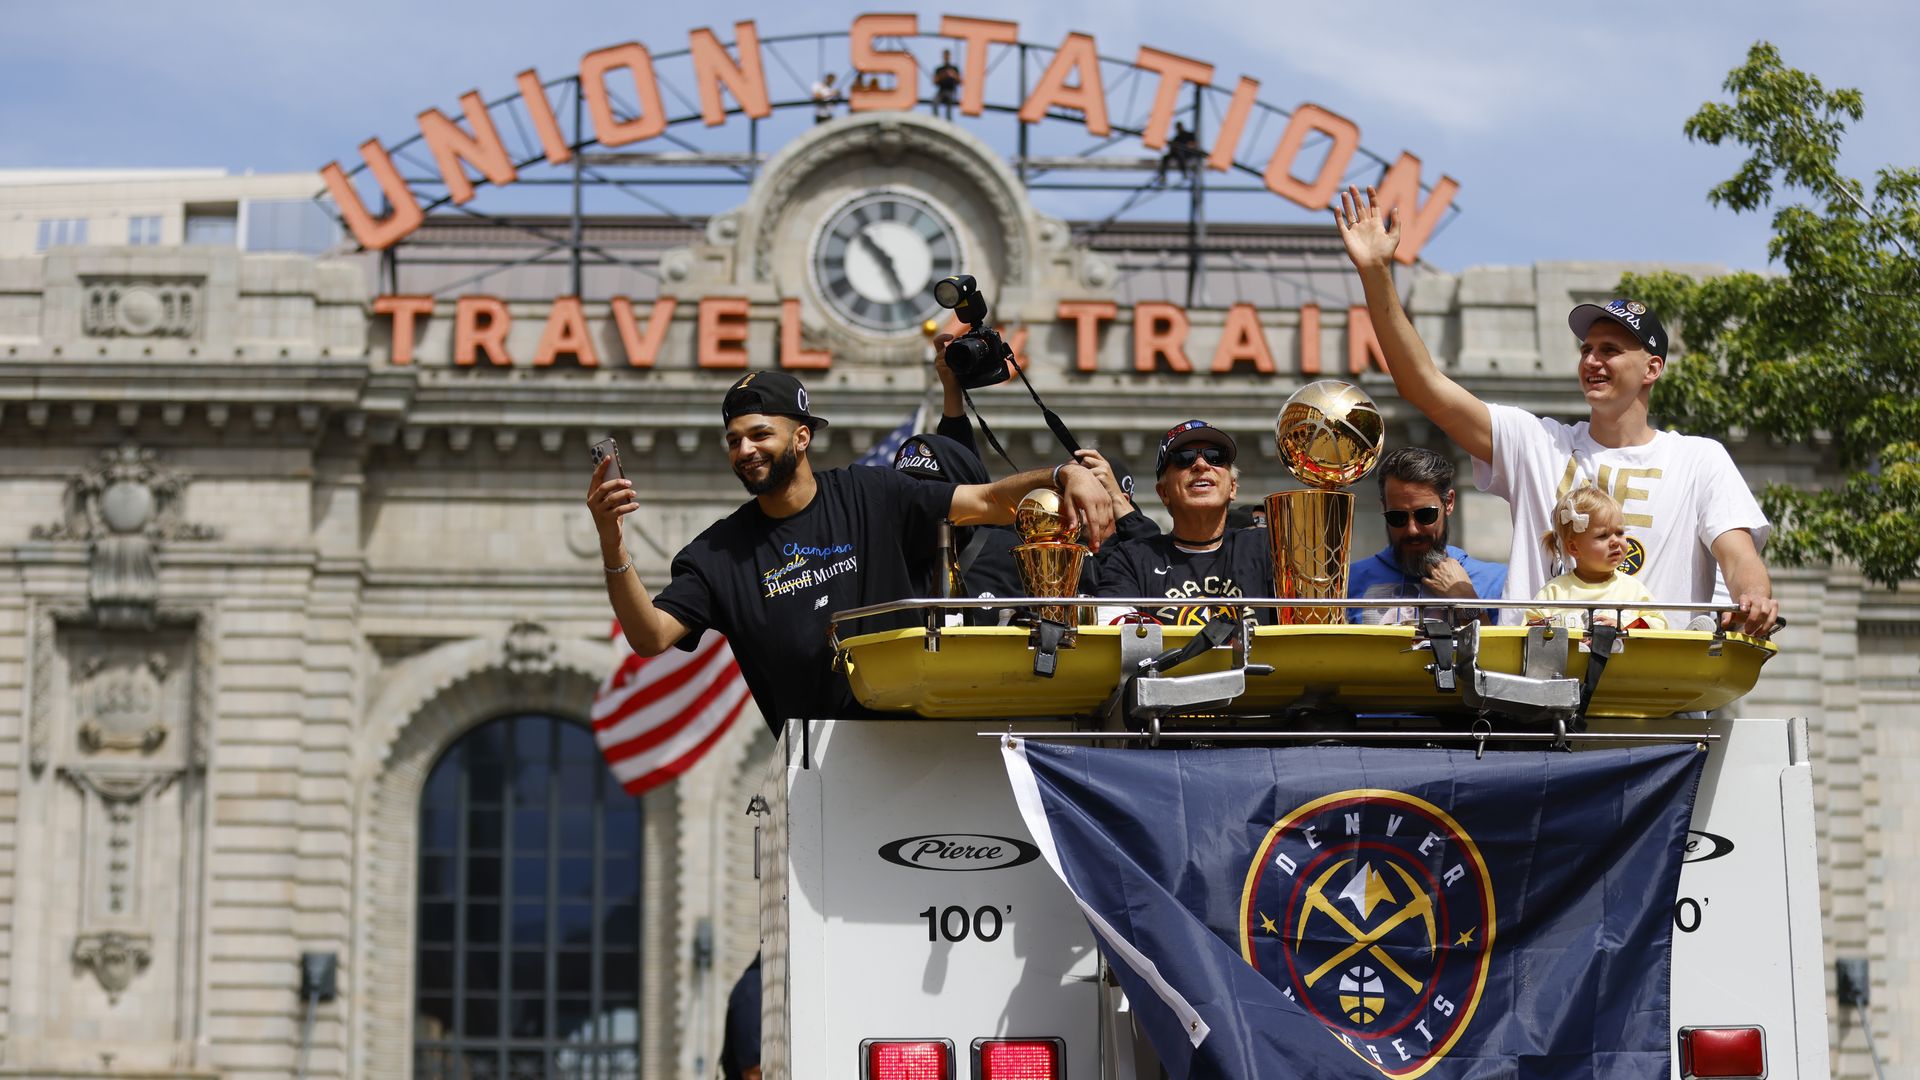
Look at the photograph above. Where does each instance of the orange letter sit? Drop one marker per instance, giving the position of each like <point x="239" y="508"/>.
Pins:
<point x="1076" y="56"/>
<point x="594" y="68"/>
<point x="1363" y="345"/>
<point x="374" y="235"/>
<point x="977" y="34"/>
<point x="451" y="146"/>
<point x="1159" y="333"/>
<point x="566" y="332"/>
<point x="1243" y="341"/>
<point x="480" y="324"/>
<point x="1086" y="316"/>
<point x="1401" y="188"/>
<point x="1319" y="194"/>
<point x="1227" y="139"/>
<point x="1175" y="72"/>
<point x="723" y="325"/>
<point x="534" y="96"/>
<point x="791" y="354"/>
<point x="712" y="66"/>
<point x="1310" y="339"/>
<point x="641" y="351"/>
<point x="403" y="309"/>
<point x="870" y="61"/>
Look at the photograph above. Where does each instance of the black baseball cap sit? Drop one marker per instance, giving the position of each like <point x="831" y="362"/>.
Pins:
<point x="1189" y="433"/>
<point x="774" y="393"/>
<point x="1630" y="314"/>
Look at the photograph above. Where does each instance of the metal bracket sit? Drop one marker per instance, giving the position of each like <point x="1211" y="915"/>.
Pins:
<point x="1540" y="698"/>
<point x="1148" y="695"/>
<point x="1048" y="639"/>
<point x="1439" y="638"/>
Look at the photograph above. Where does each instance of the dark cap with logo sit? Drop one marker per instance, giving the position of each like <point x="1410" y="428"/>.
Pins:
<point x="774" y="393"/>
<point x="1632" y="315"/>
<point x="1193" y="433"/>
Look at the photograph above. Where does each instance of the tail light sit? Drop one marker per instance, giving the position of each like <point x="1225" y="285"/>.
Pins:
<point x="906" y="1059"/>
<point x="1730" y="1053"/>
<point x="1019" y="1059"/>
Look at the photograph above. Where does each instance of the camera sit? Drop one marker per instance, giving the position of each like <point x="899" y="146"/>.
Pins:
<point x="978" y="357"/>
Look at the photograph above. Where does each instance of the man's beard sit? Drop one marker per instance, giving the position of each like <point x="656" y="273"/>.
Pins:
<point x="1421" y="563"/>
<point x="779" y="472"/>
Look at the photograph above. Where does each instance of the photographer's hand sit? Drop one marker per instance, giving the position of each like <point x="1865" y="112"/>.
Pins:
<point x="951" y="401"/>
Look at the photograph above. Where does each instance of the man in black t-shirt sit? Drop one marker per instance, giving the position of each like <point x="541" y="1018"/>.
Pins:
<point x="1197" y="481"/>
<point x="770" y="575"/>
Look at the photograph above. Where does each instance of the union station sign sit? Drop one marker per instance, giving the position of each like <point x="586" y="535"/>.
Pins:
<point x="845" y="282"/>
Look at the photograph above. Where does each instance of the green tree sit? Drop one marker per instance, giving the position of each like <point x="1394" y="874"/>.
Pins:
<point x="1825" y="353"/>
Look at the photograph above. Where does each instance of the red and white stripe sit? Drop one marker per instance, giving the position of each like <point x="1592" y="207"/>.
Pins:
<point x="655" y="717"/>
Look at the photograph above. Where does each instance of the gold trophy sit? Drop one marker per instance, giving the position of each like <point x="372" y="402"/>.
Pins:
<point x="1049" y="561"/>
<point x="1330" y="434"/>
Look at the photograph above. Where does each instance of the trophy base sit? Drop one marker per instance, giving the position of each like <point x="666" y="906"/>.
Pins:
<point x="1310" y="531"/>
<point x="1052" y="568"/>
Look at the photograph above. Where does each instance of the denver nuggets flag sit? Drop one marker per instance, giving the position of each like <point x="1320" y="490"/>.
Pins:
<point x="1342" y="912"/>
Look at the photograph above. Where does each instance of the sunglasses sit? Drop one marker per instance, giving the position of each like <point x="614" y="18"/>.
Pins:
<point x="1397" y="519"/>
<point x="1181" y="460"/>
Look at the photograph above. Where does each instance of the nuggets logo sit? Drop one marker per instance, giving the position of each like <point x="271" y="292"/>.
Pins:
<point x="1373" y="910"/>
<point x="1636" y="557"/>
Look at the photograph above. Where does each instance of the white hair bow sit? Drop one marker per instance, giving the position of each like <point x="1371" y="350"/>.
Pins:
<point x="1569" y="516"/>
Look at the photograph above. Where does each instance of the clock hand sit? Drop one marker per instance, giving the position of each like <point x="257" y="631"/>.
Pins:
<point x="886" y="264"/>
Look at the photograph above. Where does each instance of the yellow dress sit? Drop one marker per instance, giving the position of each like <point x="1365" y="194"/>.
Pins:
<point x="1617" y="587"/>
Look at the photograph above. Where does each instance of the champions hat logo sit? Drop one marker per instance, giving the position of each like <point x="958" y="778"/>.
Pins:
<point x="1373" y="910"/>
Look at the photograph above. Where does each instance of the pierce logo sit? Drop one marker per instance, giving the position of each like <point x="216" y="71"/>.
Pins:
<point x="1705" y="846"/>
<point x="958" y="851"/>
<point x="1374" y="911"/>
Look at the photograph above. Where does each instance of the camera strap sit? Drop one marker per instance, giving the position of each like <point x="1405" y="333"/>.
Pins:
<point x="1053" y="421"/>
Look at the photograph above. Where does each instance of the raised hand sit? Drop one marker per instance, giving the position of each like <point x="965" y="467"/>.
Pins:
<point x="1371" y="234"/>
<point x="1102" y="471"/>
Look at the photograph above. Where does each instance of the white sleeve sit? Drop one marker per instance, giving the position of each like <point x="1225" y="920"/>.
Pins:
<point x="1518" y="437"/>
<point x="1724" y="502"/>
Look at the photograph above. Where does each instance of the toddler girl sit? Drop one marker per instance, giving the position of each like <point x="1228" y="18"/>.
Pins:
<point x="1587" y="532"/>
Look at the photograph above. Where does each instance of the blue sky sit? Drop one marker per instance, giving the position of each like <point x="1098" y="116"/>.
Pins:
<point x="1562" y="127"/>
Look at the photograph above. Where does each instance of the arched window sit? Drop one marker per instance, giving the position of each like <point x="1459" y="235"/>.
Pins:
<point x="529" y="914"/>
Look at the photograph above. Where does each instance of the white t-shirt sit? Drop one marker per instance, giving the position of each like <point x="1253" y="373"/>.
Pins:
<point x="1678" y="494"/>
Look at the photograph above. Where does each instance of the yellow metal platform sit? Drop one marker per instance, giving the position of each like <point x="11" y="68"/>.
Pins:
<point x="988" y="671"/>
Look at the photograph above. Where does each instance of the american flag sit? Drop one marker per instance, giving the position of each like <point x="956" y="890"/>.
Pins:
<point x="655" y="717"/>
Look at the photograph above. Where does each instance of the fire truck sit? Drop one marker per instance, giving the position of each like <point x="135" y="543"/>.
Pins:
<point x="911" y="929"/>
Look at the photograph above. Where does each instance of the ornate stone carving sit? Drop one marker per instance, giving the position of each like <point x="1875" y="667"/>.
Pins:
<point x="141" y="309"/>
<point x="119" y="705"/>
<point x="529" y="649"/>
<point x="124" y="506"/>
<point x="114" y="958"/>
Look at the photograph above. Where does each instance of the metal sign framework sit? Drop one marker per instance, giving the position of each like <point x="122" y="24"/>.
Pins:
<point x="1063" y="166"/>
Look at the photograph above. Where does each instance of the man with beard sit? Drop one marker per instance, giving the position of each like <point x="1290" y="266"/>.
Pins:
<point x="1197" y="480"/>
<point x="1416" y="496"/>
<point x="770" y="575"/>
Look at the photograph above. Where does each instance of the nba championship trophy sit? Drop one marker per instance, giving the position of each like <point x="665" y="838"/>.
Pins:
<point x="1330" y="434"/>
<point x="1049" y="561"/>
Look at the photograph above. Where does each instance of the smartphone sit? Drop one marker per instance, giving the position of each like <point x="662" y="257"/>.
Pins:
<point x="607" y="448"/>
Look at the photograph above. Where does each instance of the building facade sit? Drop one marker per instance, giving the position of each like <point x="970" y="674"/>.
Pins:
<point x="301" y="614"/>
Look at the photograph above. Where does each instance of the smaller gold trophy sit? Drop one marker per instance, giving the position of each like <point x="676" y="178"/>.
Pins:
<point x="1330" y="434"/>
<point x="1050" y="560"/>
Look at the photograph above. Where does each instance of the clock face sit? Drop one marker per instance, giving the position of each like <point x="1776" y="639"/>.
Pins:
<point x="877" y="257"/>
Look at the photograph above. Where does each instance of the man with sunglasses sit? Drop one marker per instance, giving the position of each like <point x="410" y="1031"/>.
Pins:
<point x="1197" y="481"/>
<point x="1416" y="497"/>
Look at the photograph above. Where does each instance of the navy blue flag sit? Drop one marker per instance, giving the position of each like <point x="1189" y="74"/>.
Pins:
<point x="880" y="454"/>
<point x="1344" y="912"/>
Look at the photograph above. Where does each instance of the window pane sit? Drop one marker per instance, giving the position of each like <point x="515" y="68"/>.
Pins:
<point x="483" y="969"/>
<point x="529" y="971"/>
<point x="573" y="972"/>
<point x="483" y="1015"/>
<point x="622" y="977"/>
<point x="483" y="924"/>
<point x="622" y="827"/>
<point x="576" y="879"/>
<point x="436" y="969"/>
<point x="529" y="830"/>
<point x="576" y="923"/>
<point x="530" y="924"/>
<point x="530" y="879"/>
<point x="529" y="1016"/>
<point x="622" y="880"/>
<point x="436" y="877"/>
<point x="483" y="828"/>
<point x="209" y="230"/>
<point x="483" y="876"/>
<point x="297" y="225"/>
<point x="433" y="1017"/>
<point x="436" y="922"/>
